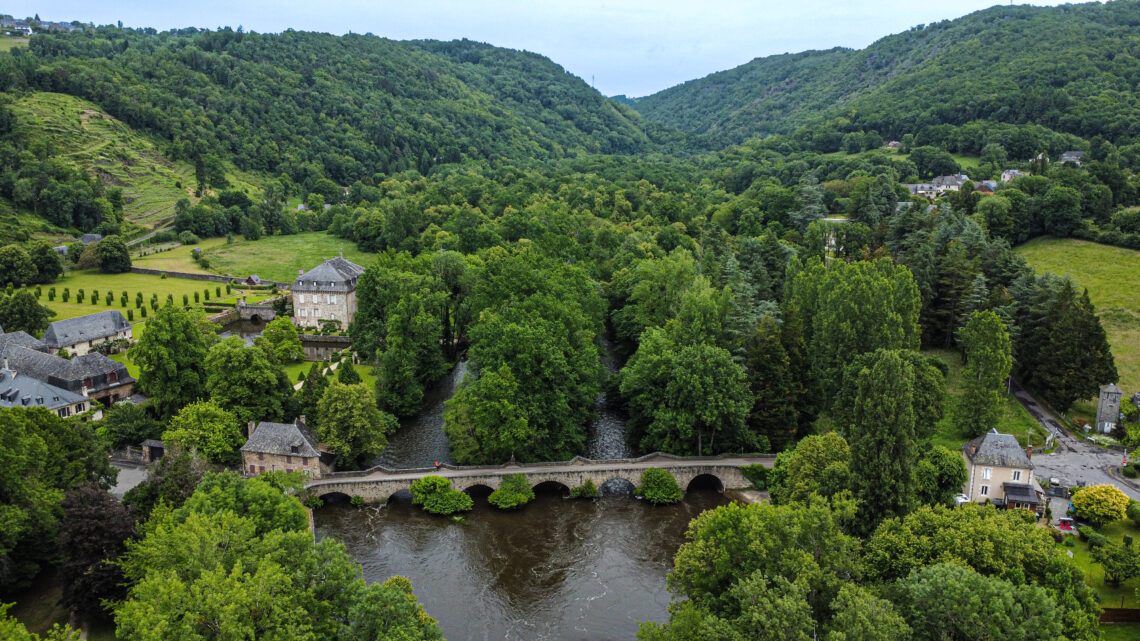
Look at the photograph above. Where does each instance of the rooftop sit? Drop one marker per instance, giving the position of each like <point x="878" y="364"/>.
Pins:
<point x="25" y="391"/>
<point x="91" y="327"/>
<point x="335" y="274"/>
<point x="997" y="450"/>
<point x="284" y="439"/>
<point x="21" y="339"/>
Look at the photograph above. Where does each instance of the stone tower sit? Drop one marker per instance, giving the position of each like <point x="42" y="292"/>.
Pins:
<point x="1108" y="410"/>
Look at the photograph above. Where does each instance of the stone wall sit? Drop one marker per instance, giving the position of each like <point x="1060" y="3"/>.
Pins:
<point x="213" y="278"/>
<point x="319" y="348"/>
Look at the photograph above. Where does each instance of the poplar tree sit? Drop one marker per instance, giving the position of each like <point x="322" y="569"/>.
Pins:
<point x="987" y="347"/>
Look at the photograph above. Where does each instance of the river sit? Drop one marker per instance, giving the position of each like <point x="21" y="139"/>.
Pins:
<point x="556" y="570"/>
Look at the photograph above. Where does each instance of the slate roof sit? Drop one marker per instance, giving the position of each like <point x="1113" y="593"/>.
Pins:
<point x="997" y="450"/>
<point x="1019" y="493"/>
<point x="333" y="275"/>
<point x="22" y="339"/>
<point x="87" y="239"/>
<point x="284" y="439"/>
<point x="24" y="391"/>
<point x="71" y="331"/>
<point x="62" y="372"/>
<point x="1071" y="156"/>
<point x="956" y="180"/>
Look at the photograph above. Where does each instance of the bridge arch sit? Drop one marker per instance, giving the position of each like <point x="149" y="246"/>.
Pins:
<point x="550" y="485"/>
<point x="618" y="485"/>
<point x="706" y="480"/>
<point x="335" y="497"/>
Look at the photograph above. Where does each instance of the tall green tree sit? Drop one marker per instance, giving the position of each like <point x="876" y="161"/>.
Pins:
<point x="773" y="413"/>
<point x="989" y="359"/>
<point x="171" y="357"/>
<point x="94" y="530"/>
<point x="209" y="429"/>
<point x="314" y="386"/>
<point x="247" y="382"/>
<point x="883" y="440"/>
<point x="114" y="257"/>
<point x="281" y="338"/>
<point x="22" y="312"/>
<point x="16" y="266"/>
<point x="349" y="423"/>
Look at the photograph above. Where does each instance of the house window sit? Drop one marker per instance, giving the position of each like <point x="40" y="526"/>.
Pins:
<point x="260" y="456"/>
<point x="1017" y="475"/>
<point x="301" y="297"/>
<point x="987" y="472"/>
<point x="985" y="490"/>
<point x="289" y="459"/>
<point x="112" y="377"/>
<point x="81" y="407"/>
<point x="252" y="468"/>
<point x="332" y="300"/>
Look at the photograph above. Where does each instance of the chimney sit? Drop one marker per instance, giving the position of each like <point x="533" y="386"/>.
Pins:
<point x="300" y="420"/>
<point x="342" y="254"/>
<point x="973" y="450"/>
<point x="1029" y="451"/>
<point x="83" y="390"/>
<point x="300" y="272"/>
<point x="250" y="432"/>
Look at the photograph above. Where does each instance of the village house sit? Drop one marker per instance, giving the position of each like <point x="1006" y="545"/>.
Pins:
<point x="922" y="189"/>
<point x="893" y="144"/>
<point x="326" y="292"/>
<point x="87" y="239"/>
<point x="78" y="335"/>
<point x="286" y="447"/>
<point x="999" y="471"/>
<point x="91" y="375"/>
<point x="1009" y="175"/>
<point x="1074" y="157"/>
<point x="949" y="183"/>
<point x="27" y="392"/>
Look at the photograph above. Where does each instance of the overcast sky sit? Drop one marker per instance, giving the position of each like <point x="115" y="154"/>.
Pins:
<point x="632" y="47"/>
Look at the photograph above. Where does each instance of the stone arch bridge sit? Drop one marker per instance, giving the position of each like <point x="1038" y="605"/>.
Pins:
<point x="378" y="484"/>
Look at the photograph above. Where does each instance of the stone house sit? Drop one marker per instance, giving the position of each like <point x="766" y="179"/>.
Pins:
<point x="999" y="471"/>
<point x="288" y="447"/>
<point x="92" y="375"/>
<point x="922" y="189"/>
<point x="1108" y="408"/>
<point x="24" y="391"/>
<point x="326" y="292"/>
<point x="949" y="183"/>
<point x="1075" y="157"/>
<point x="78" y="335"/>
<point x="1009" y="175"/>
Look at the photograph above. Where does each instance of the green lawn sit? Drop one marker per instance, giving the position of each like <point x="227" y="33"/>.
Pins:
<point x="367" y="374"/>
<point x="1120" y="631"/>
<point x="1015" y="420"/>
<point x="8" y="43"/>
<point x="91" y="280"/>
<point x="272" y="258"/>
<point x="1110" y="596"/>
<point x="1112" y="276"/>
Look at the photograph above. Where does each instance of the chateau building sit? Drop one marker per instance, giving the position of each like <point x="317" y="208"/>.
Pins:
<point x="326" y="292"/>
<point x="78" y="335"/>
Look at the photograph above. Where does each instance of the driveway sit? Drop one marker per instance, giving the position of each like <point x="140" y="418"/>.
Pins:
<point x="1075" y="459"/>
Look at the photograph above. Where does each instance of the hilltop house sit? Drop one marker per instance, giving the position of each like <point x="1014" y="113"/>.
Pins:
<point x="1009" y="175"/>
<point x="326" y="292"/>
<point x="999" y="471"/>
<point x="78" y="335"/>
<point x="288" y="447"/>
<point x="949" y="183"/>
<point x="1072" y="156"/>
<point x="91" y="375"/>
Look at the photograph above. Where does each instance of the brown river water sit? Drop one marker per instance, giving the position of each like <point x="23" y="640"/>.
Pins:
<point x="557" y="570"/>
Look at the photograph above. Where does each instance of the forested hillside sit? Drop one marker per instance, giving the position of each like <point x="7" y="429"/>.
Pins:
<point x="1070" y="68"/>
<point x="342" y="107"/>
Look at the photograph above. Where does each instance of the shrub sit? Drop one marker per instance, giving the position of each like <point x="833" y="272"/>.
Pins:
<point x="1085" y="532"/>
<point x="185" y="300"/>
<point x="163" y="275"/>
<point x="1097" y="540"/>
<point x="1127" y="540"/>
<point x="757" y="475"/>
<point x="513" y="492"/>
<point x="1069" y="542"/>
<point x="66" y="293"/>
<point x="142" y="310"/>
<point x="206" y="293"/>
<point x="197" y="298"/>
<point x="586" y="490"/>
<point x="187" y="238"/>
<point x="130" y="315"/>
<point x="659" y="487"/>
<point x="228" y="289"/>
<point x="1133" y="512"/>
<point x="164" y="237"/>
<point x="438" y="497"/>
<point x="356" y="500"/>
<point x="1101" y="504"/>
<point x="204" y="263"/>
<point x="313" y="501"/>
<point x="1129" y="471"/>
<point x="51" y="293"/>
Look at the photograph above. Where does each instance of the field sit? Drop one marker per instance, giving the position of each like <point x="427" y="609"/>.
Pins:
<point x="1112" y="276"/>
<point x="8" y="43"/>
<point x="116" y="153"/>
<point x="1122" y="596"/>
<point x="272" y="258"/>
<point x="1120" y="631"/>
<point x="90" y="281"/>
<point x="1015" y="420"/>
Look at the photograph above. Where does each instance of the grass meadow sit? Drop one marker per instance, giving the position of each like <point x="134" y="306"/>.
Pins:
<point x="1112" y="276"/>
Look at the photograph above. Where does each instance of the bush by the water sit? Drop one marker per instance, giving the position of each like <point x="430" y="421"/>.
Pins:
<point x="586" y="490"/>
<point x="438" y="497"/>
<point x="515" y="491"/>
<point x="757" y="475"/>
<point x="659" y="487"/>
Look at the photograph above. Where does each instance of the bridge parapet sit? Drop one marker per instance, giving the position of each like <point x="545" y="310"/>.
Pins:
<point x="378" y="484"/>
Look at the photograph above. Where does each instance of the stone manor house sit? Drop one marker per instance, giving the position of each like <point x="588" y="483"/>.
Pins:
<point x="326" y="292"/>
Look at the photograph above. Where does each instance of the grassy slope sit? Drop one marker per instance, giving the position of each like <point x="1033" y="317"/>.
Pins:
<point x="8" y="44"/>
<point x="1112" y="276"/>
<point x="1015" y="420"/>
<point x="120" y="156"/>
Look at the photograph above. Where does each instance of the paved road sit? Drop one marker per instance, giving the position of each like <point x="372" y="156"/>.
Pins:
<point x="451" y="472"/>
<point x="1075" y="459"/>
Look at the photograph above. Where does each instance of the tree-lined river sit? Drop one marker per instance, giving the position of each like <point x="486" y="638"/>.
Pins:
<point x="555" y="570"/>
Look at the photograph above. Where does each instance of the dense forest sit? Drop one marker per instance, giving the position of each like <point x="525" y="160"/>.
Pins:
<point x="759" y="292"/>
<point x="1070" y="68"/>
